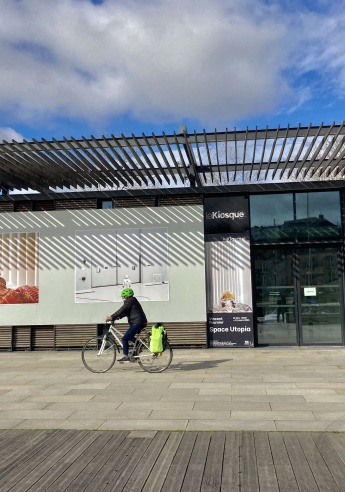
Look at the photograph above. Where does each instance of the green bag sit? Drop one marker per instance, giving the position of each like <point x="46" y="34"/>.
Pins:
<point x="157" y="338"/>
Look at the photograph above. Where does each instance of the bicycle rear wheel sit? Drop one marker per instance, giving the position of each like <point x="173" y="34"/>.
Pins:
<point x="152" y="362"/>
<point x="99" y="354"/>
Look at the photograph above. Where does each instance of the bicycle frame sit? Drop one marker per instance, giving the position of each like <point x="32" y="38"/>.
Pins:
<point x="116" y="334"/>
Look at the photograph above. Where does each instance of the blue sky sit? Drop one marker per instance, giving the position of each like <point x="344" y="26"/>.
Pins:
<point x="81" y="67"/>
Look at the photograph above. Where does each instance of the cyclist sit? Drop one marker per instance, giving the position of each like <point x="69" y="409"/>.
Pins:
<point x="136" y="319"/>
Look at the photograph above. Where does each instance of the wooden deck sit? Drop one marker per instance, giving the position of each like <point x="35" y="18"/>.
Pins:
<point x="59" y="460"/>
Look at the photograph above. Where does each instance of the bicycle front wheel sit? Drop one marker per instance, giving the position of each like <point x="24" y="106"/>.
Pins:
<point x="152" y="362"/>
<point x="99" y="354"/>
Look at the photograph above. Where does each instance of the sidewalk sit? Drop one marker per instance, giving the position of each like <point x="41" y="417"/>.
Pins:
<point x="275" y="389"/>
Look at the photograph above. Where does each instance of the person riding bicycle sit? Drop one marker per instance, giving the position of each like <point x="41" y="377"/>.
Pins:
<point x="136" y="319"/>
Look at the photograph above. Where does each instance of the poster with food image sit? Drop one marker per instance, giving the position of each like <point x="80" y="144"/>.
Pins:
<point x="228" y="274"/>
<point x="19" y="268"/>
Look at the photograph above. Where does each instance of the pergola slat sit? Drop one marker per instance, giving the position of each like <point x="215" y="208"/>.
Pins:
<point x="208" y="155"/>
<point x="306" y="155"/>
<point x="72" y="162"/>
<point x="166" y="162"/>
<point x="59" y="170"/>
<point x="253" y="156"/>
<point x="263" y="152"/>
<point x="24" y="164"/>
<point x="123" y="178"/>
<point x="217" y="157"/>
<point x="199" y="157"/>
<point x="298" y="154"/>
<point x="336" y="160"/>
<point x="226" y="153"/>
<point x="141" y="170"/>
<point x="134" y="170"/>
<point x="158" y="164"/>
<point x="292" y="146"/>
<point x="285" y="137"/>
<point x="328" y="149"/>
<point x="89" y="167"/>
<point x="272" y="153"/>
<point x="236" y="157"/>
<point x="181" y="156"/>
<point x="171" y="153"/>
<point x="317" y="151"/>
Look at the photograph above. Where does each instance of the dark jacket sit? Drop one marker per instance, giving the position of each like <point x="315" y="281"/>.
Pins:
<point x="133" y="310"/>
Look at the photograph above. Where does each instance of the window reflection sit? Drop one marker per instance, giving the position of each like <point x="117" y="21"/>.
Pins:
<point x="318" y="215"/>
<point x="272" y="218"/>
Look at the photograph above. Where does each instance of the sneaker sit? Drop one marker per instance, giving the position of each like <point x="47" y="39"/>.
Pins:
<point x="124" y="359"/>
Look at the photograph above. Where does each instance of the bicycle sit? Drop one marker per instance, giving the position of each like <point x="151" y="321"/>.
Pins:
<point x="99" y="353"/>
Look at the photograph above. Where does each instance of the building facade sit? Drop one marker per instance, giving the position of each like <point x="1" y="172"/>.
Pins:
<point x="233" y="239"/>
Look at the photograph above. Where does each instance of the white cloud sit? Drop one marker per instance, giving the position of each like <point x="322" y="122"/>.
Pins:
<point x="324" y="48"/>
<point x="156" y="60"/>
<point x="9" y="134"/>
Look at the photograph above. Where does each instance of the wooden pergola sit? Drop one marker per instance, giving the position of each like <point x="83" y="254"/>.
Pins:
<point x="198" y="159"/>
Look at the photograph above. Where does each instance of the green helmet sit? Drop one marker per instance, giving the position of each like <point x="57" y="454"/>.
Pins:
<point x="127" y="293"/>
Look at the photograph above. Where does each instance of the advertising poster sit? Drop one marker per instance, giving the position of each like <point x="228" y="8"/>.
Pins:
<point x="228" y="273"/>
<point x="19" y="268"/>
<point x="108" y="261"/>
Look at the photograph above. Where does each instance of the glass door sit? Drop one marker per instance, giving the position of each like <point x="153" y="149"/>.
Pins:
<point x="275" y="296"/>
<point x="320" y="296"/>
<point x="298" y="296"/>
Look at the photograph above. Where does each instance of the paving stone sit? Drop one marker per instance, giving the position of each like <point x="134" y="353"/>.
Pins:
<point x="230" y="425"/>
<point x="271" y="415"/>
<point x="157" y="425"/>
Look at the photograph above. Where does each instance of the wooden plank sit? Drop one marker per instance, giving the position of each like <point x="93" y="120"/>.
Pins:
<point x="249" y="479"/>
<point x="77" y="467"/>
<point x="6" y="337"/>
<point x="145" y="465"/>
<point x="94" y="467"/>
<point x="161" y="467"/>
<point x="264" y="462"/>
<point x="114" y="462"/>
<point x="320" y="471"/>
<point x="285" y="475"/>
<point x="302" y="471"/>
<point x="338" y="442"/>
<point x="331" y="457"/>
<point x="63" y="460"/>
<point x="126" y="466"/>
<point x="262" y="449"/>
<point x="44" y="460"/>
<point x="231" y="462"/>
<point x="22" y="448"/>
<point x="196" y="466"/>
<point x="267" y="478"/>
<point x="23" y="465"/>
<point x="9" y="436"/>
<point x="174" y="480"/>
<point x="212" y="479"/>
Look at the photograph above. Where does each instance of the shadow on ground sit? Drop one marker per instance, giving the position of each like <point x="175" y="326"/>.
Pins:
<point x="197" y="365"/>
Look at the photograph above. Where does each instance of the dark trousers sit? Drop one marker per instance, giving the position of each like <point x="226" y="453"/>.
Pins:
<point x="129" y="336"/>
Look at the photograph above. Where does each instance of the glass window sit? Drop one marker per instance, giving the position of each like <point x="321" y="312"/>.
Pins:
<point x="318" y="215"/>
<point x="272" y="218"/>
<point x="107" y="204"/>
